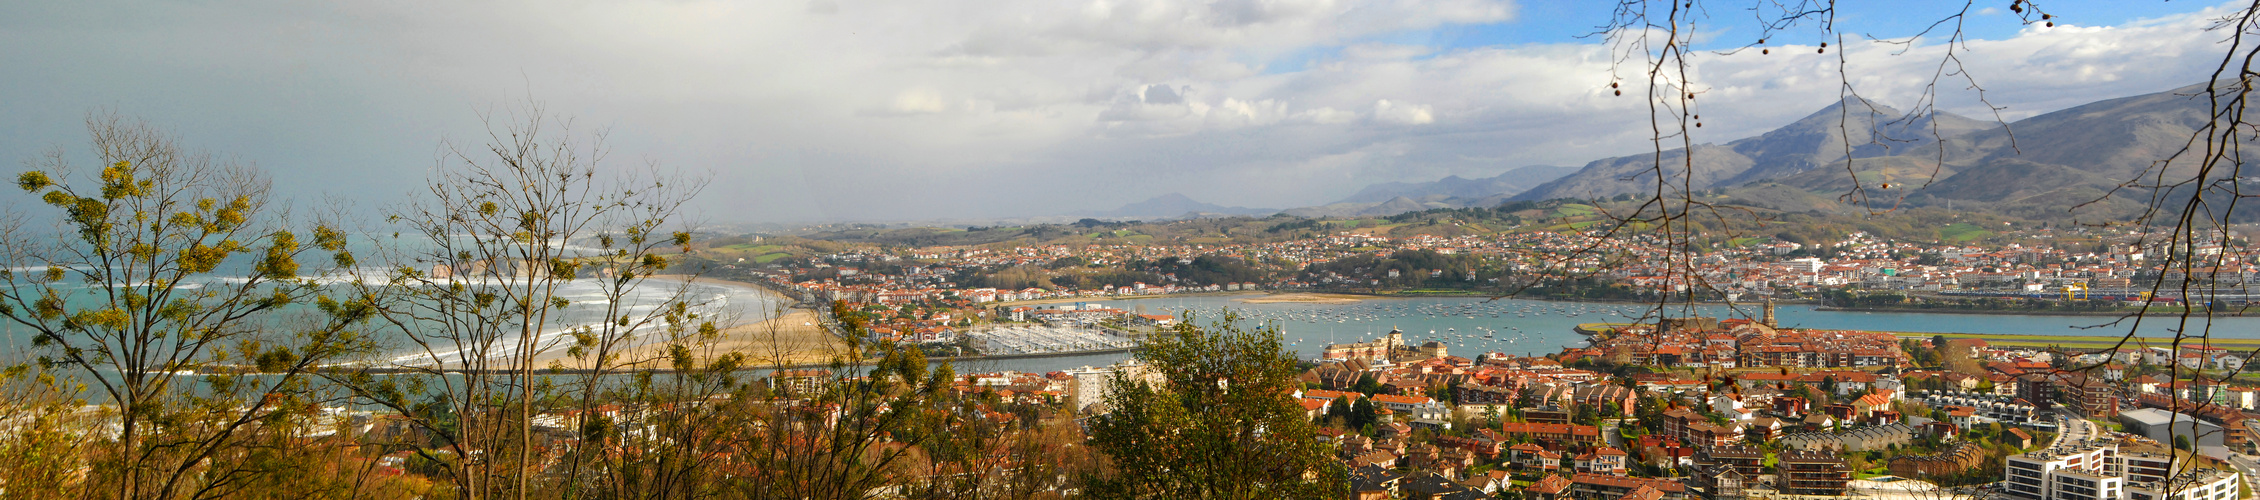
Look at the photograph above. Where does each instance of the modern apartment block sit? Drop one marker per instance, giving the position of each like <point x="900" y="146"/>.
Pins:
<point x="1812" y="473"/>
<point x="2201" y="484"/>
<point x="2095" y="470"/>
<point x="2033" y="475"/>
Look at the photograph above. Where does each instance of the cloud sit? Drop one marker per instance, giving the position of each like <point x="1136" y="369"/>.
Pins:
<point x="1402" y="114"/>
<point x="855" y="110"/>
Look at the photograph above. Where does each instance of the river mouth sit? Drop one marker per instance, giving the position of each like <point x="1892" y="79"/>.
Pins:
<point x="1471" y="326"/>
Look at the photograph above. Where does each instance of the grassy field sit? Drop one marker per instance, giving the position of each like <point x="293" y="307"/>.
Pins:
<point x="1962" y="232"/>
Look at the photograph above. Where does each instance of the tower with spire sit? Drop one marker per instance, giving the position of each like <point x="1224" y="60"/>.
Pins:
<point x="1768" y="319"/>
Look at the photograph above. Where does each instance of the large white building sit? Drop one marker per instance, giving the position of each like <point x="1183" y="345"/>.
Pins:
<point x="2095" y="470"/>
<point x="2202" y="484"/>
<point x="2035" y="475"/>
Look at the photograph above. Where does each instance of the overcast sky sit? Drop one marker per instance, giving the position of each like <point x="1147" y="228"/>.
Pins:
<point x="808" y="110"/>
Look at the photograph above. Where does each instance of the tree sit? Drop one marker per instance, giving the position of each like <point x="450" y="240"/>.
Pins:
<point x="1367" y="385"/>
<point x="168" y="263"/>
<point x="1212" y="419"/>
<point x="499" y="232"/>
<point x="1586" y="416"/>
<point x="2181" y="442"/>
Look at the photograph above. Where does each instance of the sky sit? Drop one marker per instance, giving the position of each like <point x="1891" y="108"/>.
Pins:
<point x="851" y="110"/>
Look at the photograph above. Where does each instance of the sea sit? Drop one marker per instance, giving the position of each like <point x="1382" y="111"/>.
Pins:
<point x="1471" y="326"/>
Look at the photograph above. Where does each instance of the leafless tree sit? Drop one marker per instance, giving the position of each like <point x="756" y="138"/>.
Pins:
<point x="476" y="290"/>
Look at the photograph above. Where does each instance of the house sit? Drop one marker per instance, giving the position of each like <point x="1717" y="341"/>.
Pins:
<point x="1551" y="487"/>
<point x="2146" y="384"/>
<point x="1379" y="458"/>
<point x="1433" y="486"/>
<point x="2018" y="437"/>
<point x="1606" y="460"/>
<point x="1524" y="455"/>
<point x="1722" y="482"/>
<point x="1373" y="482"/>
<point x="1728" y="404"/>
<point x="1413" y="407"/>
<point x="1872" y="402"/>
<point x="1611" y="487"/>
<point x="1762" y="429"/>
<point x="1314" y="408"/>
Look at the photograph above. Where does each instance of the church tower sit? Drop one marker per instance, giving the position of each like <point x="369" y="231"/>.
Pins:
<point x="1768" y="320"/>
<point x="1395" y="339"/>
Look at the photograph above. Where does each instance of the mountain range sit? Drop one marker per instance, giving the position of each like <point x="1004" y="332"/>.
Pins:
<point x="1175" y="206"/>
<point x="1851" y="155"/>
<point x="2044" y="166"/>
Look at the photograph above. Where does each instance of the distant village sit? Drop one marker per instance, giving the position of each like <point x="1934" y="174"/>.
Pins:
<point x="1725" y="409"/>
<point x="1858" y="271"/>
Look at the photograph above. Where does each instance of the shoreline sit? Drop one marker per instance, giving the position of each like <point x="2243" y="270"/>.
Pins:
<point x="1303" y="298"/>
<point x="789" y="333"/>
<point x="2006" y="312"/>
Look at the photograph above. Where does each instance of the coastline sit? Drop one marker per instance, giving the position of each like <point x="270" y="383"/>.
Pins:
<point x="792" y="335"/>
<point x="1304" y="298"/>
<point x="2004" y="312"/>
<point x="2081" y="341"/>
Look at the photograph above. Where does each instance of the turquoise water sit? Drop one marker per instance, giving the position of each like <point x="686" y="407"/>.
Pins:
<point x="587" y="306"/>
<point x="1525" y="327"/>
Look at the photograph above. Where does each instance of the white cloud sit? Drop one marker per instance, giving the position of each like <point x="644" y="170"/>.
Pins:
<point x="842" y="109"/>
<point x="1402" y="114"/>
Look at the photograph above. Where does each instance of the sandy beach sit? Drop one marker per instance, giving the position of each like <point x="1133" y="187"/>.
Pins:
<point x="1306" y="298"/>
<point x="794" y="336"/>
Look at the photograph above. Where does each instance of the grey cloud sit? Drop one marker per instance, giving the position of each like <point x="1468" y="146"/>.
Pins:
<point x="1161" y="94"/>
<point x="947" y="108"/>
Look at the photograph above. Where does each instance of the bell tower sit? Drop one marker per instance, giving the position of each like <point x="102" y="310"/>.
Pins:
<point x="1768" y="320"/>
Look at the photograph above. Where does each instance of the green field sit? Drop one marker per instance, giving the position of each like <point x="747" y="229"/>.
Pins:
<point x="1962" y="232"/>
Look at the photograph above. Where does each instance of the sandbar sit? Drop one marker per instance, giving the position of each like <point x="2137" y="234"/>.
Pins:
<point x="792" y="337"/>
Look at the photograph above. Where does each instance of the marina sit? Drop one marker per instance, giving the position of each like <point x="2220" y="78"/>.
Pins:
<point x="1017" y="339"/>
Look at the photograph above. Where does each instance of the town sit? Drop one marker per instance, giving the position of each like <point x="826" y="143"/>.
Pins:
<point x="1737" y="409"/>
<point x="935" y="293"/>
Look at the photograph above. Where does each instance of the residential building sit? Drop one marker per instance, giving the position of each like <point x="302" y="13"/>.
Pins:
<point x="2201" y="484"/>
<point x="1812" y="473"/>
<point x="2033" y="475"/>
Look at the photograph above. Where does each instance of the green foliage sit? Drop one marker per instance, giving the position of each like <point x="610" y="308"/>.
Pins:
<point x="1217" y="423"/>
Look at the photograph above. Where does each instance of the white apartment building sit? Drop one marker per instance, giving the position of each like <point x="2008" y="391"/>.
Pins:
<point x="2069" y="484"/>
<point x="2034" y="475"/>
<point x="2202" y="484"/>
<point x="2094" y="470"/>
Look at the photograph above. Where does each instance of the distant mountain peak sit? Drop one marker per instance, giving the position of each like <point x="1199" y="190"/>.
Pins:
<point x="1507" y="183"/>
<point x="1174" y="205"/>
